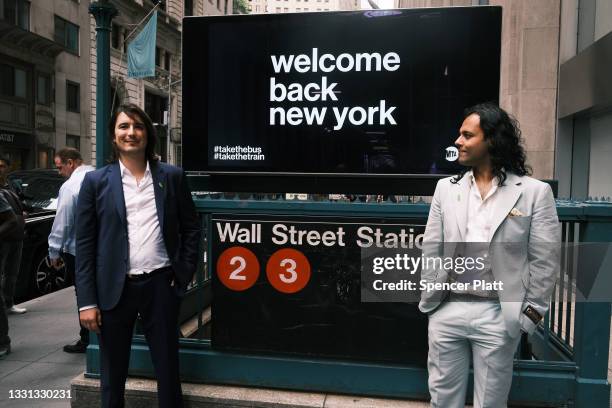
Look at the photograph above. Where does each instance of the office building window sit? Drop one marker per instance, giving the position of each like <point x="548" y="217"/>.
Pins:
<point x="16" y="12"/>
<point x="67" y="34"/>
<point x="188" y="8"/>
<point x="7" y="80"/>
<point x="73" y="141"/>
<point x="20" y="83"/>
<point x="73" y="103"/>
<point x="125" y="34"/>
<point x="43" y="89"/>
<point x="13" y="81"/>
<point x="167" y="59"/>
<point x="116" y="36"/>
<point x="157" y="57"/>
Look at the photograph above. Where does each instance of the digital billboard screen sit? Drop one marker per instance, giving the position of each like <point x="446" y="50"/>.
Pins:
<point x="349" y="93"/>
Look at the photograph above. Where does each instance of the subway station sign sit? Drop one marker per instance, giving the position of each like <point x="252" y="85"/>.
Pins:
<point x="292" y="285"/>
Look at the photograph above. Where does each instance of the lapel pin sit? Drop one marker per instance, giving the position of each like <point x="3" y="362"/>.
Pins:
<point x="160" y="185"/>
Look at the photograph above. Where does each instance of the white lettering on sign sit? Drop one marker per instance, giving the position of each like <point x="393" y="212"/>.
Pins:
<point x="297" y="98"/>
<point x="7" y="137"/>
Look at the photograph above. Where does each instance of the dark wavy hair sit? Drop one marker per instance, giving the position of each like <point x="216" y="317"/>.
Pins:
<point x="133" y="110"/>
<point x="502" y="132"/>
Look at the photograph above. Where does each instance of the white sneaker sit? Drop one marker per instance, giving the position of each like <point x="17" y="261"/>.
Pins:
<point x="16" y="310"/>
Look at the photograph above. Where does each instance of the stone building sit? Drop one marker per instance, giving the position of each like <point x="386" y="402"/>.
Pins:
<point x="584" y="132"/>
<point x="300" y="6"/>
<point x="44" y="80"/>
<point x="159" y="96"/>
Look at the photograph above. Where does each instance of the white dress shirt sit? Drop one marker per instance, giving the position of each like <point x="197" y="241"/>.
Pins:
<point x="147" y="250"/>
<point x="478" y="227"/>
<point x="63" y="234"/>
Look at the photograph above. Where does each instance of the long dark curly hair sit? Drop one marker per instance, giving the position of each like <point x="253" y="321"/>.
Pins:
<point x="505" y="141"/>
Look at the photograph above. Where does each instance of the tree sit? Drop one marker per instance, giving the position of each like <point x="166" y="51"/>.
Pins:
<point x="240" y="7"/>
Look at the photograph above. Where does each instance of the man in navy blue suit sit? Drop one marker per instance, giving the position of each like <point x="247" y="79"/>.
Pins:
<point x="137" y="238"/>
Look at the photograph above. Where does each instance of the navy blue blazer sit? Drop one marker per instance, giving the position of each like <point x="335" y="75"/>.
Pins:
<point x="102" y="236"/>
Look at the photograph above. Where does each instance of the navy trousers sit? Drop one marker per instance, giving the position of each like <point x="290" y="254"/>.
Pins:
<point x="155" y="300"/>
<point x="69" y="261"/>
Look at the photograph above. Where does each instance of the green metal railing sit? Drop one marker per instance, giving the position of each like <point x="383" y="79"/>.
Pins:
<point x="571" y="346"/>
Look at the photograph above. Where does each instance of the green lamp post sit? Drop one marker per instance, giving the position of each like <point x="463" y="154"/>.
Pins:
<point x="103" y="11"/>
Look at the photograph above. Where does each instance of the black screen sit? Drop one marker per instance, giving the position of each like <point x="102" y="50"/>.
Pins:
<point x="402" y="80"/>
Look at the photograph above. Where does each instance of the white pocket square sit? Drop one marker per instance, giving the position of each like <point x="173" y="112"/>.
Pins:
<point x="515" y="212"/>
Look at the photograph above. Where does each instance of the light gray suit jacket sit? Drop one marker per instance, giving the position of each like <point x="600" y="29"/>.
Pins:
<point x="524" y="249"/>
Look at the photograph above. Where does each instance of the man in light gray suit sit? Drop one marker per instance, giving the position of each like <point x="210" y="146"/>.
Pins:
<point x="510" y="222"/>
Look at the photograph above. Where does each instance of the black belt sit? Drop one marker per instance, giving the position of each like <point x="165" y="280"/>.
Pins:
<point x="470" y="297"/>
<point x="147" y="275"/>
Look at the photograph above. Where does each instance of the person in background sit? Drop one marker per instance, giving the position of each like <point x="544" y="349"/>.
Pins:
<point x="62" y="239"/>
<point x="5" y="168"/>
<point x="12" y="244"/>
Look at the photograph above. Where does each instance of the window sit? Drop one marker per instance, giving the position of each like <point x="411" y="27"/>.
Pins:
<point x="155" y="105"/>
<point x="116" y="36"/>
<point x="278" y="9"/>
<point x="73" y="103"/>
<point x="73" y="141"/>
<point x="43" y="89"/>
<point x="125" y="34"/>
<point x="20" y="83"/>
<point x="188" y="8"/>
<point x="16" y="12"/>
<point x="286" y="10"/>
<point x="7" y="80"/>
<point x="167" y="59"/>
<point x="157" y="57"/>
<point x="67" y="34"/>
<point x="13" y="81"/>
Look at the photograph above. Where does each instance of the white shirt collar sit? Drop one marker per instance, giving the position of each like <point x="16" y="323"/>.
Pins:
<point x="470" y="174"/>
<point x="82" y="167"/>
<point x="494" y="185"/>
<point x="124" y="169"/>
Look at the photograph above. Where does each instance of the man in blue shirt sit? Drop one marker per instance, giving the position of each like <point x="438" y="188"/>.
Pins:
<point x="62" y="238"/>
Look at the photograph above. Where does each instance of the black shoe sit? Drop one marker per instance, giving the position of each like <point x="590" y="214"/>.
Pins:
<point x="78" y="347"/>
<point x="5" y="350"/>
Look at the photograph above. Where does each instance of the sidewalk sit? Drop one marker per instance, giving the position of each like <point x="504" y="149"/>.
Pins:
<point x="37" y="361"/>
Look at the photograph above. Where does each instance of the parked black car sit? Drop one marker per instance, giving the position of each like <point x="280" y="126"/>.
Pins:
<point x="39" y="189"/>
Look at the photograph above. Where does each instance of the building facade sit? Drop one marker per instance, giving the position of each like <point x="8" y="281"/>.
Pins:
<point x="160" y="96"/>
<point x="300" y="6"/>
<point x="44" y="80"/>
<point x="584" y="139"/>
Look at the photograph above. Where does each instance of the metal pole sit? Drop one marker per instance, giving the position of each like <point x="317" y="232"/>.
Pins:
<point x="103" y="12"/>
